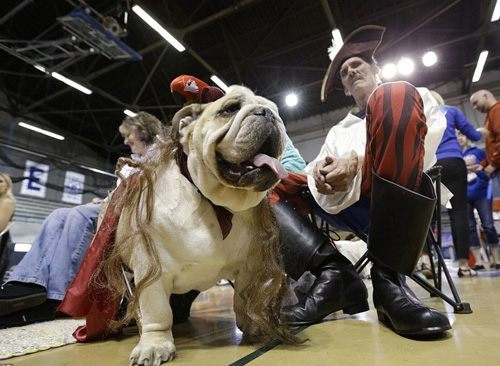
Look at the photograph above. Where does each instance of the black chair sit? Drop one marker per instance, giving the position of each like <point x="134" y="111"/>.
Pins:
<point x="329" y="223"/>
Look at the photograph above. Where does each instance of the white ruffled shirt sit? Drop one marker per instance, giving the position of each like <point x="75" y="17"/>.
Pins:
<point x="348" y="138"/>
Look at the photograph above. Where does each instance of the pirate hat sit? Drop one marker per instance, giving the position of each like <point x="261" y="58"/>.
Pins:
<point x="362" y="42"/>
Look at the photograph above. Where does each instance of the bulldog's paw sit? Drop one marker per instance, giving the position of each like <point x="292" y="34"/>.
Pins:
<point x="153" y="349"/>
<point x="248" y="328"/>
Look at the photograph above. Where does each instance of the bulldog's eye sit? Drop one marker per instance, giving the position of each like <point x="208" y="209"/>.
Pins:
<point x="230" y="109"/>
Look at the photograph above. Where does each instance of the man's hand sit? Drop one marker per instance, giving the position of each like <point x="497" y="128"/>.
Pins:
<point x="334" y="175"/>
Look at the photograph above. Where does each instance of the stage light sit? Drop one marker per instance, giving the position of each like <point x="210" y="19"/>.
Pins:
<point x="389" y="71"/>
<point x="42" y="131"/>
<point x="405" y="66"/>
<point x="219" y="82"/>
<point x="479" y="67"/>
<point x="291" y="100"/>
<point x="129" y="113"/>
<point x="429" y="59"/>
<point x="71" y="83"/>
<point x="157" y="27"/>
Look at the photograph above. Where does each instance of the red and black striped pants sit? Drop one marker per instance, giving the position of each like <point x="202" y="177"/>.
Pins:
<point x="395" y="132"/>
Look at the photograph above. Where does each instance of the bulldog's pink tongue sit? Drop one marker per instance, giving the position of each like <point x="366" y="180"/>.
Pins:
<point x="273" y="163"/>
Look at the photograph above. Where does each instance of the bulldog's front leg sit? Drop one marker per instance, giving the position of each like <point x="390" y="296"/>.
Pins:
<point x="243" y="320"/>
<point x="157" y="343"/>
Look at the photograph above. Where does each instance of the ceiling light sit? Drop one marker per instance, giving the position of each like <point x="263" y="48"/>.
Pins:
<point x="71" y="83"/>
<point x="389" y="71"/>
<point x="480" y="65"/>
<point x="405" y="66"/>
<point x="291" y="100"/>
<point x="496" y="12"/>
<point x="157" y="27"/>
<point x="40" y="68"/>
<point x="129" y="113"/>
<point x="219" y="83"/>
<point x="429" y="58"/>
<point x="42" y="131"/>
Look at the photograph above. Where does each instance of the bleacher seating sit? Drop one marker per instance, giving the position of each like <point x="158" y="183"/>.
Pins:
<point x="35" y="210"/>
<point x="29" y="215"/>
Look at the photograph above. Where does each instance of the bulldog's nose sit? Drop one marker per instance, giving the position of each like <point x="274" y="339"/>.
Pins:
<point x="264" y="112"/>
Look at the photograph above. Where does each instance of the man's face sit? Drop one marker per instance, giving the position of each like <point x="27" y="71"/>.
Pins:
<point x="358" y="77"/>
<point x="479" y="103"/>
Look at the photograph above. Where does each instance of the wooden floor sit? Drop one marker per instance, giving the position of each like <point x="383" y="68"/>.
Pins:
<point x="211" y="338"/>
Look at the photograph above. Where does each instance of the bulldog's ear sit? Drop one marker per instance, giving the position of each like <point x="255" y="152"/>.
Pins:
<point x="184" y="118"/>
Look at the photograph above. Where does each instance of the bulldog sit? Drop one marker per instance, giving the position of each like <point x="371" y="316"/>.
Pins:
<point x="198" y="213"/>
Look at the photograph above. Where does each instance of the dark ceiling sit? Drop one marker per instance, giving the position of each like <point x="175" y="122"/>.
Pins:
<point x="271" y="46"/>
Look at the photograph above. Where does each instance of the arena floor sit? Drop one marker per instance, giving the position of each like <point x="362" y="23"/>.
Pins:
<point x="211" y="337"/>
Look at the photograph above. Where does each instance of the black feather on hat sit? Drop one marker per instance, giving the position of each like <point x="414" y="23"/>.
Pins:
<point x="362" y="42"/>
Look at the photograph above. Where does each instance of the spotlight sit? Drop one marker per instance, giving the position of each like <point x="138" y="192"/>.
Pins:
<point x="429" y="58"/>
<point x="389" y="71"/>
<point x="291" y="100"/>
<point x="405" y="66"/>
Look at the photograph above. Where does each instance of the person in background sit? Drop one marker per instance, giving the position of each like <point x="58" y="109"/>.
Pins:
<point x="7" y="207"/>
<point x="454" y="177"/>
<point x="39" y="282"/>
<point x="485" y="102"/>
<point x="479" y="197"/>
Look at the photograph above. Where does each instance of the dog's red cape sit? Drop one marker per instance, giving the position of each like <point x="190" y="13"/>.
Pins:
<point x="85" y="299"/>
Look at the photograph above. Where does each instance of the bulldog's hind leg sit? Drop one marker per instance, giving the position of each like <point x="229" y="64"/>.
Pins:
<point x="157" y="343"/>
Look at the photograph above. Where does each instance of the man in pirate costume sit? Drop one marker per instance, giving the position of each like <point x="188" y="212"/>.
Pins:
<point x="370" y="170"/>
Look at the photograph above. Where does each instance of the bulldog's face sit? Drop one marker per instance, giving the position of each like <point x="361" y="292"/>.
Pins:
<point x="233" y="146"/>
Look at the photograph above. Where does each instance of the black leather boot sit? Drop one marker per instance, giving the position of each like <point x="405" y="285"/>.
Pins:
<point x="337" y="286"/>
<point x="399" y="225"/>
<point x="400" y="309"/>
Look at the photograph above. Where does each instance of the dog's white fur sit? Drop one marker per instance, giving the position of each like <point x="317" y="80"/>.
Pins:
<point x="184" y="228"/>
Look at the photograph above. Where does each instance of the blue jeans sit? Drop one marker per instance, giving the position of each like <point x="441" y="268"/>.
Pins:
<point x="58" y="249"/>
<point x="485" y="210"/>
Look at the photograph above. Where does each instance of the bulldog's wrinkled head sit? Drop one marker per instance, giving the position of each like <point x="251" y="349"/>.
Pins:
<point x="233" y="146"/>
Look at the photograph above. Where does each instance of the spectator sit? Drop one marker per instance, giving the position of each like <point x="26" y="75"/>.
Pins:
<point x="7" y="207"/>
<point x="454" y="177"/>
<point x="479" y="197"/>
<point x="484" y="102"/>
<point x="39" y="282"/>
